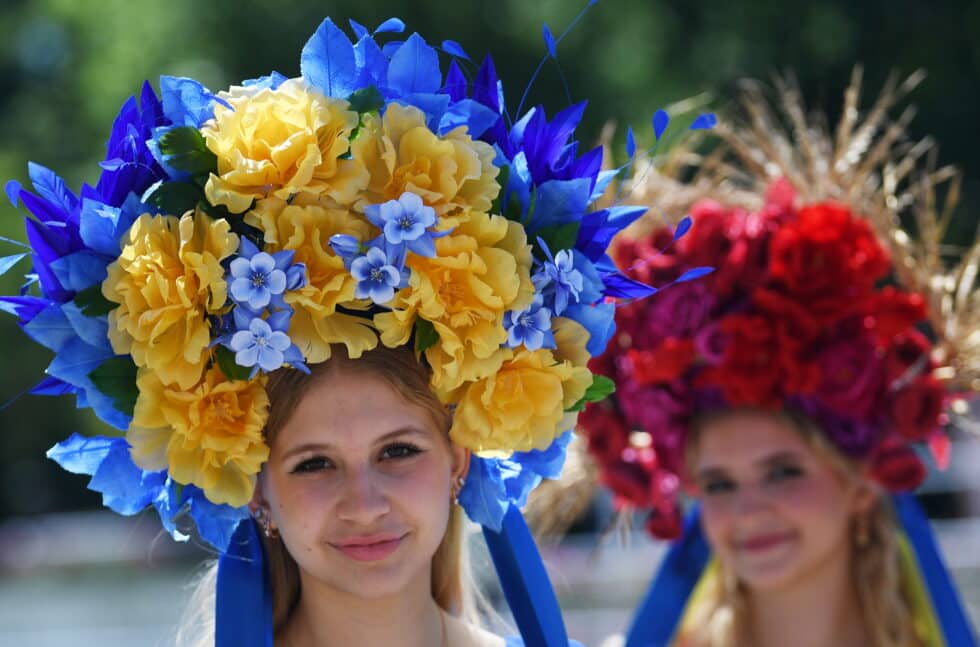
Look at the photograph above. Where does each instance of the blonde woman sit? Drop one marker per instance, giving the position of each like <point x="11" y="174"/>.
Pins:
<point x="785" y="395"/>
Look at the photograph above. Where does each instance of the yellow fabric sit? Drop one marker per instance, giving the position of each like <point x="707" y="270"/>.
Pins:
<point x="924" y="616"/>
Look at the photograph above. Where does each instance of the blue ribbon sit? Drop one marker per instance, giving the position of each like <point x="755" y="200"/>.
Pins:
<point x="660" y="612"/>
<point x="945" y="600"/>
<point x="525" y="582"/>
<point x="243" y="609"/>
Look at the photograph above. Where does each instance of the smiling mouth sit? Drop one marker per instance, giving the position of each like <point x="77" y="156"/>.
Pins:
<point x="760" y="543"/>
<point x="370" y="549"/>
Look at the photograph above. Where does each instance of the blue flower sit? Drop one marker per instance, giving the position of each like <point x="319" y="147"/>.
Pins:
<point x="260" y="346"/>
<point x="376" y="278"/>
<point x="405" y="222"/>
<point x="346" y="247"/>
<point x="531" y="327"/>
<point x="559" y="279"/>
<point x="256" y="280"/>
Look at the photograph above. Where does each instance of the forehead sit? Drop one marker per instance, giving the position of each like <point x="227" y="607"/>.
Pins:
<point x="351" y="408"/>
<point x="745" y="439"/>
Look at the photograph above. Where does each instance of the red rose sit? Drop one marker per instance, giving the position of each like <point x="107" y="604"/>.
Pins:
<point x="892" y="313"/>
<point x="916" y="408"/>
<point x="827" y="259"/>
<point x="630" y="484"/>
<point x="749" y="374"/>
<point x="851" y="379"/>
<point x="896" y="467"/>
<point x="907" y="356"/>
<point x="650" y="259"/>
<point x="716" y="239"/>
<point x="606" y="432"/>
<point x="796" y="335"/>
<point x="664" y="522"/>
<point x="665" y="363"/>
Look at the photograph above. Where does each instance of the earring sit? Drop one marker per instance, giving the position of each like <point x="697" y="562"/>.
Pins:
<point x="862" y="533"/>
<point x="456" y="487"/>
<point x="268" y="527"/>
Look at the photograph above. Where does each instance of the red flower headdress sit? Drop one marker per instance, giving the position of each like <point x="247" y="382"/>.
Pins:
<point x="806" y="310"/>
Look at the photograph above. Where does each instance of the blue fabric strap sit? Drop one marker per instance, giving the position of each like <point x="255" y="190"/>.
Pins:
<point x="243" y="609"/>
<point x="945" y="600"/>
<point x="660" y="612"/>
<point x="525" y="582"/>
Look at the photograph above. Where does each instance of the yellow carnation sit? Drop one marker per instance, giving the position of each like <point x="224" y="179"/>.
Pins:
<point x="481" y="270"/>
<point x="209" y="436"/>
<point x="449" y="172"/>
<point x="167" y="280"/>
<point x="280" y="142"/>
<point x="306" y="229"/>
<point x="521" y="406"/>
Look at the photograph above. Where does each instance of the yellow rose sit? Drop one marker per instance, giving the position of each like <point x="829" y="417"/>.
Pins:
<point x="280" y="142"/>
<point x="167" y="280"/>
<point x="209" y="436"/>
<point x="520" y="407"/>
<point x="481" y="270"/>
<point x="449" y="172"/>
<point x="306" y="228"/>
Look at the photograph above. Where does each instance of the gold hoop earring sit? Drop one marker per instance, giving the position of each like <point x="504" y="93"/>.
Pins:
<point x="862" y="532"/>
<point x="456" y="487"/>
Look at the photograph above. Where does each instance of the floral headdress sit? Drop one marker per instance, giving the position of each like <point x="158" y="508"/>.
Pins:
<point x="816" y="305"/>
<point x="371" y="200"/>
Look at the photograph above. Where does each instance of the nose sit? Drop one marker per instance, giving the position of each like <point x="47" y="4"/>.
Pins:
<point x="750" y="501"/>
<point x="363" y="499"/>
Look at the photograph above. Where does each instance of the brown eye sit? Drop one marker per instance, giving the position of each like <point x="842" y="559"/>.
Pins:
<point x="718" y="486"/>
<point x="779" y="473"/>
<point x="399" y="451"/>
<point x="310" y="465"/>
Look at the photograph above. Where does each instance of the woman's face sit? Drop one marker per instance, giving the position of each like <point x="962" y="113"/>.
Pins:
<point x="358" y="484"/>
<point x="774" y="510"/>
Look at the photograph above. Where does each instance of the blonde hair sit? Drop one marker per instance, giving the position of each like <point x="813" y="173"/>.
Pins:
<point x="451" y="584"/>
<point x="720" y="616"/>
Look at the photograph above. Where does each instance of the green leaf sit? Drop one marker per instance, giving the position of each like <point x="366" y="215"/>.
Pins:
<point x="93" y="303"/>
<point x="116" y="377"/>
<point x="228" y="365"/>
<point x="502" y="178"/>
<point x="425" y="335"/>
<point x="184" y="149"/>
<point x="175" y="198"/>
<point x="367" y="99"/>
<point x="600" y="389"/>
<point x="559" y="237"/>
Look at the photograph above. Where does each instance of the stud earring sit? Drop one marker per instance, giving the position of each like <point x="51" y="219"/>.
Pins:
<point x="268" y="527"/>
<point x="456" y="488"/>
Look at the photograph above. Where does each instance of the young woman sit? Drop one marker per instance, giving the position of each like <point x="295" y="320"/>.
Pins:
<point x="315" y="305"/>
<point x="785" y="394"/>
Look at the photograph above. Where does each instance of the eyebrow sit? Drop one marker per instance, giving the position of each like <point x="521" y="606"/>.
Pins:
<point x="314" y="447"/>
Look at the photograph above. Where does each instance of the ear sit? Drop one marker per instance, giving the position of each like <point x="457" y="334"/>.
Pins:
<point x="461" y="461"/>
<point x="864" y="496"/>
<point x="258" y="502"/>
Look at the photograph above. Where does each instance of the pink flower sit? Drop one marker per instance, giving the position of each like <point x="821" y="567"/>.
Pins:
<point x="852" y="379"/>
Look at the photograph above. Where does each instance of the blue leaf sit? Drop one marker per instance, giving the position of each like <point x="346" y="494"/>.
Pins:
<point x="13" y="189"/>
<point x="359" y="30"/>
<point x="186" y="102"/>
<point x="630" y="142"/>
<point x="599" y="320"/>
<point x="414" y="68"/>
<point x="705" y="121"/>
<point x="683" y="227"/>
<point x="549" y="41"/>
<point x="472" y="114"/>
<point x="483" y="496"/>
<point x="453" y="48"/>
<point x="81" y="454"/>
<point x="392" y="25"/>
<point x="52" y="386"/>
<point x="7" y="262"/>
<point x="328" y="63"/>
<point x="694" y="273"/>
<point x="51" y="187"/>
<point x="660" y="121"/>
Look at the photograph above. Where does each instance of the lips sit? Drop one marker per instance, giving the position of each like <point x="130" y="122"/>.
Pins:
<point x="369" y="548"/>
<point x="763" y="542"/>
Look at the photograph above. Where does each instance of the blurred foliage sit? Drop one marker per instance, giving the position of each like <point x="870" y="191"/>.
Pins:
<point x="66" y="67"/>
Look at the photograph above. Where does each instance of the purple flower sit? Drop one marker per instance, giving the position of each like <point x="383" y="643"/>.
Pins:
<point x="376" y="278"/>
<point x="531" y="327"/>
<point x="260" y="346"/>
<point x="558" y="278"/>
<point x="256" y="280"/>
<point x="405" y="222"/>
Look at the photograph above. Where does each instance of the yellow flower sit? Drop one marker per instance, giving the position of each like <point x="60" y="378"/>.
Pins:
<point x="521" y="406"/>
<point x="481" y="270"/>
<point x="209" y="436"/>
<point x="449" y="173"/>
<point x="167" y="280"/>
<point x="280" y="142"/>
<point x="306" y="227"/>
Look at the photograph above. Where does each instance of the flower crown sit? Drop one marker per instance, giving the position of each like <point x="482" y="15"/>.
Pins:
<point x="793" y="318"/>
<point x="370" y="200"/>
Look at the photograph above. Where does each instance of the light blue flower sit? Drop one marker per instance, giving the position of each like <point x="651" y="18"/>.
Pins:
<point x="531" y="327"/>
<point x="260" y="346"/>
<point x="558" y="278"/>
<point x="376" y="278"/>
<point x="346" y="247"/>
<point x="256" y="280"/>
<point x="405" y="223"/>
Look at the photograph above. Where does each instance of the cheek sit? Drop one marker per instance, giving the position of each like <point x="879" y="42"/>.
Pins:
<point x="815" y="505"/>
<point x="717" y="520"/>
